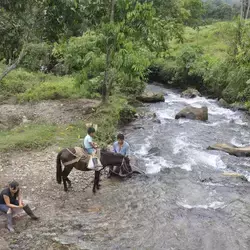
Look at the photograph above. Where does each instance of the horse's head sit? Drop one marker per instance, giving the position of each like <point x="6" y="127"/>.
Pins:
<point x="113" y="159"/>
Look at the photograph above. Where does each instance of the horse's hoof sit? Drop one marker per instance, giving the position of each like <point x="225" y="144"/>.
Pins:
<point x="99" y="186"/>
<point x="65" y="189"/>
<point x="93" y="191"/>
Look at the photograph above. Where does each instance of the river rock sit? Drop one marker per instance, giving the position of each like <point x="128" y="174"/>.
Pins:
<point x="150" y="97"/>
<point x="223" y="103"/>
<point x="190" y="93"/>
<point x="154" y="151"/>
<point x="238" y="106"/>
<point x="193" y="113"/>
<point x="231" y="149"/>
<point x="236" y="175"/>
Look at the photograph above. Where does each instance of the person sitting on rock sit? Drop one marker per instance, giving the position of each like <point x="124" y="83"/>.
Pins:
<point x="92" y="147"/>
<point x="121" y="146"/>
<point x="10" y="198"/>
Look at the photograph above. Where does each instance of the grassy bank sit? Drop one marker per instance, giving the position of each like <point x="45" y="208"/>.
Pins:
<point x="28" y="86"/>
<point x="37" y="136"/>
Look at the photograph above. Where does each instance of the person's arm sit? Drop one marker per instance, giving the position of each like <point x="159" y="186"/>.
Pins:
<point x="8" y="204"/>
<point x="93" y="145"/>
<point x="20" y="198"/>
<point x="128" y="150"/>
<point x="114" y="150"/>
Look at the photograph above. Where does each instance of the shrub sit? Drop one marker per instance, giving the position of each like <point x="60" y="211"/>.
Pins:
<point x="126" y="114"/>
<point x="19" y="80"/>
<point x="237" y="88"/>
<point x="38" y="56"/>
<point x="61" y="88"/>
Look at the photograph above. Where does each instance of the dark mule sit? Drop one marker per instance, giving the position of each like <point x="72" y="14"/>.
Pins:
<point x="67" y="157"/>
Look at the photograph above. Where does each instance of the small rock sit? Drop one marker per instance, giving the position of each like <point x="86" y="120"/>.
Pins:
<point x="154" y="151"/>
<point x="138" y="127"/>
<point x="223" y="103"/>
<point x="157" y="121"/>
<point x="190" y="93"/>
<point x="238" y="106"/>
<point x="150" y="97"/>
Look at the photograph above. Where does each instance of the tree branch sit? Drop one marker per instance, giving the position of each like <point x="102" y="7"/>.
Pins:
<point x="15" y="64"/>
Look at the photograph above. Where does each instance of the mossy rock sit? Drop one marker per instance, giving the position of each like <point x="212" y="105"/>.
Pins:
<point x="127" y="114"/>
<point x="190" y="93"/>
<point x="149" y="97"/>
<point x="223" y="103"/>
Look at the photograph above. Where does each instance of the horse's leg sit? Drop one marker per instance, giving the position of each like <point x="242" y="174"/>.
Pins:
<point x="69" y="182"/>
<point x="96" y="180"/>
<point x="65" y="174"/>
<point x="110" y="171"/>
<point x="65" y="184"/>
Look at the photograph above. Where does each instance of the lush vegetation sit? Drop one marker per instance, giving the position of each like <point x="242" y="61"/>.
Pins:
<point x="214" y="59"/>
<point x="109" y="49"/>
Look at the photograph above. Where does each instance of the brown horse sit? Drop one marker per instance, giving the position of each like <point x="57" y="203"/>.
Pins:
<point x="68" y="158"/>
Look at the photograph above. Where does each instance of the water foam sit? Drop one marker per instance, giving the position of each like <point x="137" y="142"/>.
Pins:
<point x="206" y="159"/>
<point x="213" y="205"/>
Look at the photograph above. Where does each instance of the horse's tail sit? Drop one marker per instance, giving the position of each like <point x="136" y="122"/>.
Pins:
<point x="59" y="168"/>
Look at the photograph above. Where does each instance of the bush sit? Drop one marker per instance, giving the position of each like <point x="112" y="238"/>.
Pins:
<point x="89" y="88"/>
<point x="57" y="89"/>
<point x="19" y="80"/>
<point x="162" y="71"/>
<point x="237" y="88"/>
<point x="126" y="114"/>
<point x="38" y="57"/>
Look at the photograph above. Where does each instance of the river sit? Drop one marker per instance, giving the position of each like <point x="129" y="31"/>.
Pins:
<point x="185" y="201"/>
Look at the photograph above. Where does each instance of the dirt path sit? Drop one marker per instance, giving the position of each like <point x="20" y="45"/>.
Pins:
<point x="36" y="173"/>
<point x="53" y="112"/>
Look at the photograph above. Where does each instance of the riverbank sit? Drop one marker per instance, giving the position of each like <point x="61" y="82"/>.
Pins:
<point x="186" y="200"/>
<point x="211" y="59"/>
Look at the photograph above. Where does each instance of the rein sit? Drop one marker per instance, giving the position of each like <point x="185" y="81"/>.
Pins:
<point x="124" y="163"/>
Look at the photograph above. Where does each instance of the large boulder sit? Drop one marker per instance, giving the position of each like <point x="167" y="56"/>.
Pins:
<point x="193" y="113"/>
<point x="150" y="97"/>
<point x="231" y="149"/>
<point x="190" y="93"/>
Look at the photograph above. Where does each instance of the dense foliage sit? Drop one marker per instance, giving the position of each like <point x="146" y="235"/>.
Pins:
<point x="113" y="46"/>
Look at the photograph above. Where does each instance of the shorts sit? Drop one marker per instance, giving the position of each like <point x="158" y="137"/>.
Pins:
<point x="4" y="208"/>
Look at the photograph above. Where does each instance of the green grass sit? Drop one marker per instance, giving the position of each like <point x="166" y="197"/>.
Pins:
<point x="210" y="38"/>
<point x="36" y="86"/>
<point x="25" y="137"/>
<point x="51" y="89"/>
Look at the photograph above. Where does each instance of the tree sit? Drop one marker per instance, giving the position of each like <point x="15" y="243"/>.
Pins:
<point x="195" y="10"/>
<point x="245" y="6"/>
<point x="123" y="40"/>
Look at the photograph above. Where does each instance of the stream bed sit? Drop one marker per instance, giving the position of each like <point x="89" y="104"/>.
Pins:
<point x="185" y="202"/>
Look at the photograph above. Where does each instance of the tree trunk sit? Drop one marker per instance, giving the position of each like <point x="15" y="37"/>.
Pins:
<point x="108" y="58"/>
<point x="248" y="7"/>
<point x="241" y="9"/>
<point x="14" y="65"/>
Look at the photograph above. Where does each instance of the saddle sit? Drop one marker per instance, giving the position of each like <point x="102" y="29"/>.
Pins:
<point x="80" y="154"/>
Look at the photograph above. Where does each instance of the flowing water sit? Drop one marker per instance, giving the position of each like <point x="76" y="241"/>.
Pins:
<point x="185" y="201"/>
